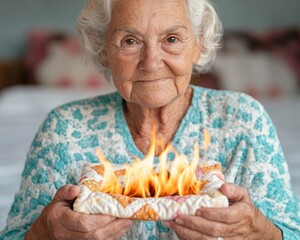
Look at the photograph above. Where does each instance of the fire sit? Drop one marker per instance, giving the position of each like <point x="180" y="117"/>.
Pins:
<point x="143" y="179"/>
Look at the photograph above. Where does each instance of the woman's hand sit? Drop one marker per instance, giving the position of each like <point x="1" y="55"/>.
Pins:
<point x="241" y="220"/>
<point x="59" y="221"/>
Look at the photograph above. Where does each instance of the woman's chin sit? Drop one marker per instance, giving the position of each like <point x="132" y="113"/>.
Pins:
<point x="153" y="99"/>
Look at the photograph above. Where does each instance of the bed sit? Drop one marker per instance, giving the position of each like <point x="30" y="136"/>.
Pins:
<point x="23" y="108"/>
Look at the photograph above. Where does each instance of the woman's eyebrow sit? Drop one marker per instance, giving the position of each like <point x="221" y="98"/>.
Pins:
<point x="127" y="30"/>
<point x="174" y="29"/>
<point x="136" y="32"/>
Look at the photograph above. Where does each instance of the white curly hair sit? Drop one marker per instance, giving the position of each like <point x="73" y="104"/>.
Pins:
<point x="93" y="22"/>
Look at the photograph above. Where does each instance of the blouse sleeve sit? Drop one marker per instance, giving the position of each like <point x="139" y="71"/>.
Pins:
<point x="42" y="176"/>
<point x="265" y="174"/>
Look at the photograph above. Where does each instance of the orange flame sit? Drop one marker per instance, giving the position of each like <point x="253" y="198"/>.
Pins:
<point x="142" y="179"/>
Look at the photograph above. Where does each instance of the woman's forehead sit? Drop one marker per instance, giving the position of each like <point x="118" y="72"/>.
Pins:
<point x="141" y="9"/>
<point x="149" y="4"/>
<point x="139" y="13"/>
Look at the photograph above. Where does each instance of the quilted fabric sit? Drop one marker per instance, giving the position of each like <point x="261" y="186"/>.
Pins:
<point x="91" y="200"/>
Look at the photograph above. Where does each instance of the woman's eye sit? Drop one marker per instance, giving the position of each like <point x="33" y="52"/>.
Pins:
<point x="130" y="41"/>
<point x="172" y="39"/>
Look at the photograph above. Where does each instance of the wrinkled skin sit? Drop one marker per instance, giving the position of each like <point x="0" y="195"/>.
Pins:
<point x="150" y="51"/>
<point x="241" y="220"/>
<point x="59" y="221"/>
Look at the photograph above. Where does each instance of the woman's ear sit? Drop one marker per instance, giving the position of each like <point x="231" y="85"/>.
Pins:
<point x="104" y="59"/>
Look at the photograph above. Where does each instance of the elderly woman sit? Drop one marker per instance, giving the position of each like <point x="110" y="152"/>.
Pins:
<point x="149" y="48"/>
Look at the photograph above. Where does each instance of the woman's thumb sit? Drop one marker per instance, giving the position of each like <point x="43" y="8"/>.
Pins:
<point x="234" y="192"/>
<point x="67" y="193"/>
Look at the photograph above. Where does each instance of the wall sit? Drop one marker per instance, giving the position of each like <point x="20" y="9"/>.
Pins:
<point x="258" y="15"/>
<point x="19" y="16"/>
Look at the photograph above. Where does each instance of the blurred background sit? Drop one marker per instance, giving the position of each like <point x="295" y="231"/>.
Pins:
<point x="42" y="66"/>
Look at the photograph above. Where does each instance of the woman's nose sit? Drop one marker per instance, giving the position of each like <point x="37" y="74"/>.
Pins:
<point x="150" y="59"/>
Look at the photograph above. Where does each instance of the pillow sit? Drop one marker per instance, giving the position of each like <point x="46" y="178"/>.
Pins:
<point x="262" y="64"/>
<point x="259" y="74"/>
<point x="56" y="59"/>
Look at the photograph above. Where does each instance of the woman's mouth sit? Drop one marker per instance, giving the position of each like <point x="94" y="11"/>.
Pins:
<point x="153" y="81"/>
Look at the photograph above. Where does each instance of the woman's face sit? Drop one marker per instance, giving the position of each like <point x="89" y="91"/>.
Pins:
<point x="150" y="49"/>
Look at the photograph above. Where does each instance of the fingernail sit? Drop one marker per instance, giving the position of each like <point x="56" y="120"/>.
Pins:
<point x="230" y="188"/>
<point x="198" y="213"/>
<point x="179" y="221"/>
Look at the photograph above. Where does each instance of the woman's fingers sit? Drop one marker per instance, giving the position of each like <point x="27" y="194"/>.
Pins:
<point x="83" y="222"/>
<point x="91" y="226"/>
<point x="206" y="227"/>
<point x="241" y="220"/>
<point x="228" y="215"/>
<point x="67" y="224"/>
<point x="114" y="230"/>
<point x="232" y="222"/>
<point x="187" y="233"/>
<point x="67" y="193"/>
<point x="77" y="222"/>
<point x="235" y="193"/>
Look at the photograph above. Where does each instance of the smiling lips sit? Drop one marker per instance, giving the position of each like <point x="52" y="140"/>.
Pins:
<point x="149" y="81"/>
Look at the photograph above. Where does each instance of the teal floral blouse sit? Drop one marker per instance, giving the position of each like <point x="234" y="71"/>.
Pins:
<point x="244" y="141"/>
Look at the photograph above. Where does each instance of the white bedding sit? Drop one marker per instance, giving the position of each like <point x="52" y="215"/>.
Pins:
<point x="22" y="110"/>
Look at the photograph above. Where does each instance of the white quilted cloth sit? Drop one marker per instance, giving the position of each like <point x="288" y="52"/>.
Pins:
<point x="92" y="201"/>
